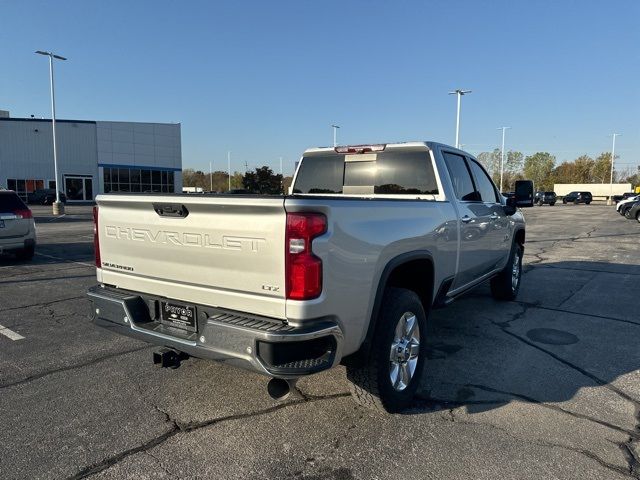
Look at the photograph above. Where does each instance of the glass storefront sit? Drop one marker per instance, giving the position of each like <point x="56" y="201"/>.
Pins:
<point x="137" y="180"/>
<point x="24" y="186"/>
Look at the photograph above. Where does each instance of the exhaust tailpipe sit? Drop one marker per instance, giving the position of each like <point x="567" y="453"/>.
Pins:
<point x="280" y="389"/>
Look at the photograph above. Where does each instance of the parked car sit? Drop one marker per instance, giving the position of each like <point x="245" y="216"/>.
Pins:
<point x="633" y="212"/>
<point x="545" y="197"/>
<point x="578" y="197"/>
<point x="624" y="196"/>
<point x="335" y="272"/>
<point x="625" y="205"/>
<point x="45" y="196"/>
<point x="17" y="228"/>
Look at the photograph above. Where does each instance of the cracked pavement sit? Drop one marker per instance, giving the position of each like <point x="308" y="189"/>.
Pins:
<point x="544" y="387"/>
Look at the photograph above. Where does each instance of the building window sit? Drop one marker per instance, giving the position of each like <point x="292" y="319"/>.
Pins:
<point x="138" y="180"/>
<point x="24" y="186"/>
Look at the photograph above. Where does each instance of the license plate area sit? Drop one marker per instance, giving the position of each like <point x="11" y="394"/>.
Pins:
<point x="178" y="316"/>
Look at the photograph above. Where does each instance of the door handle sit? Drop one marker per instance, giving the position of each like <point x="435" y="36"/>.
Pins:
<point x="466" y="219"/>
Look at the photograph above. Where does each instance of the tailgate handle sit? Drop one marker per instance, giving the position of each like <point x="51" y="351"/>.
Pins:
<point x="171" y="210"/>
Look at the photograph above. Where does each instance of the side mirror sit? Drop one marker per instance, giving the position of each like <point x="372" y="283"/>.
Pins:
<point x="524" y="193"/>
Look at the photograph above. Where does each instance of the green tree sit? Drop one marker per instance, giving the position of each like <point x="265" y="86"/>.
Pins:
<point x="513" y="162"/>
<point x="634" y="179"/>
<point x="601" y="170"/>
<point x="512" y="169"/>
<point x="491" y="162"/>
<point x="263" y="181"/>
<point x="539" y="168"/>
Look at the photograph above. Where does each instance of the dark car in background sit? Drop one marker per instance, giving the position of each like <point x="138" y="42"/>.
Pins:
<point x="578" y="197"/>
<point x="545" y="197"/>
<point x="633" y="212"/>
<point x="624" y="205"/>
<point x="624" y="196"/>
<point x="45" y="196"/>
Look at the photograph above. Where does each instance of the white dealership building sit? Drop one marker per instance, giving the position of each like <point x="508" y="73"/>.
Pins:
<point x="93" y="156"/>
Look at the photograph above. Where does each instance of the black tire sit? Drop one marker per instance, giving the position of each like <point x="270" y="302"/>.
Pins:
<point x="552" y="204"/>
<point x="370" y="378"/>
<point x="26" y="254"/>
<point x="588" y="202"/>
<point x="502" y="285"/>
<point x="638" y="216"/>
<point x="564" y="201"/>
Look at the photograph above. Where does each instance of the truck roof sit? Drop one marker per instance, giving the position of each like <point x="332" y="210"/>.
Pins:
<point x="424" y="143"/>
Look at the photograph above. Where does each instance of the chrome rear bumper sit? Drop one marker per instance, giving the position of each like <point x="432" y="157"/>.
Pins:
<point x="264" y="345"/>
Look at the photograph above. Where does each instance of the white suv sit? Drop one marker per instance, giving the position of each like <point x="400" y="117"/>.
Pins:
<point x="17" y="228"/>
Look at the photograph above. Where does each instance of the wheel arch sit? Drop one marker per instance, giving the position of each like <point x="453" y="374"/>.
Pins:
<point x="408" y="270"/>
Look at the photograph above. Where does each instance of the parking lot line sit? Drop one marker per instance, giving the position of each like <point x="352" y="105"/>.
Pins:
<point x="64" y="259"/>
<point x="10" y="334"/>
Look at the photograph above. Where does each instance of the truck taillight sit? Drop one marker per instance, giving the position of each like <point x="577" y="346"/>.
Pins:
<point x="303" y="268"/>
<point x="96" y="240"/>
<point x="23" y="213"/>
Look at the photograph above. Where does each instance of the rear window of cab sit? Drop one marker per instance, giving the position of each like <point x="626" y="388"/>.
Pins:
<point x="398" y="172"/>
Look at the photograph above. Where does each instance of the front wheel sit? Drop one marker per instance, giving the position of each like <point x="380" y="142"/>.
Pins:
<point x="564" y="201"/>
<point x="588" y="202"/>
<point x="552" y="204"/>
<point x="506" y="284"/>
<point x="388" y="378"/>
<point x="638" y="216"/>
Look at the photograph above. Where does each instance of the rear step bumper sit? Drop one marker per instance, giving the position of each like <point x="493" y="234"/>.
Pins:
<point x="264" y="345"/>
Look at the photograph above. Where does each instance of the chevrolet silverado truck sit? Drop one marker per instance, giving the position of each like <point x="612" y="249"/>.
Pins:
<point x="343" y="269"/>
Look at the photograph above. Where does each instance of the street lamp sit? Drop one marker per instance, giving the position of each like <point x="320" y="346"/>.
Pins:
<point x="335" y="134"/>
<point x="229" y="168"/>
<point x="613" y="157"/>
<point x="459" y="93"/>
<point x="58" y="208"/>
<point x="502" y="155"/>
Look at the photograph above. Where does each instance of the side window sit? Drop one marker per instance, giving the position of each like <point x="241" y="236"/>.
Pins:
<point x="483" y="183"/>
<point x="460" y="177"/>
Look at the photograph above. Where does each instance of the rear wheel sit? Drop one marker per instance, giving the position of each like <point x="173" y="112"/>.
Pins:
<point x="26" y="253"/>
<point x="564" y="201"/>
<point x="388" y="378"/>
<point x="638" y="216"/>
<point x="506" y="284"/>
<point x="588" y="202"/>
<point x="552" y="204"/>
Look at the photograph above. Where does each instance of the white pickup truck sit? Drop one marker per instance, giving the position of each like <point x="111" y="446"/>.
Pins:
<point x="346" y="268"/>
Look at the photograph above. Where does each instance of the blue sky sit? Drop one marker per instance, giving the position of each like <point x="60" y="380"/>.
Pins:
<point x="267" y="79"/>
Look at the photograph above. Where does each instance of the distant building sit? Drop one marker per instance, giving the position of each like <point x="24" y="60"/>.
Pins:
<point x="93" y="156"/>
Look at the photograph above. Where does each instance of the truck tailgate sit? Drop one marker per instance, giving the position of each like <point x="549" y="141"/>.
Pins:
<point x="222" y="251"/>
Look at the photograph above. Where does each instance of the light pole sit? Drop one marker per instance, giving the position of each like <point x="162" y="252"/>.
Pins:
<point x="459" y="93"/>
<point x="58" y="208"/>
<point x="281" y="177"/>
<point x="504" y="129"/>
<point x="613" y="157"/>
<point x="229" y="168"/>
<point x="335" y="134"/>
<point x="210" y="176"/>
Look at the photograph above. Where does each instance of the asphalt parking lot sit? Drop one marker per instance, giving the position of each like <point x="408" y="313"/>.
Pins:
<point x="544" y="387"/>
